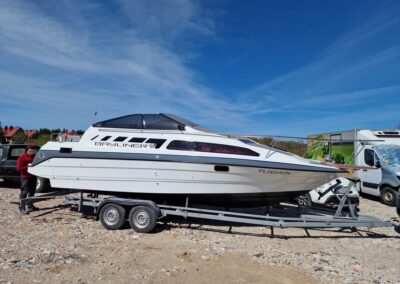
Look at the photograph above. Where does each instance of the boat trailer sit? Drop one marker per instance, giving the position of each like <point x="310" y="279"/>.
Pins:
<point x="113" y="212"/>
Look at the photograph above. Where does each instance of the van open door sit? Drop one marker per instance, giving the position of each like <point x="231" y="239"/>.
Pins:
<point x="370" y="178"/>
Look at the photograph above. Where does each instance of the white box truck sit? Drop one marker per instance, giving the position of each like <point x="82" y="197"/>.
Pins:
<point x="376" y="150"/>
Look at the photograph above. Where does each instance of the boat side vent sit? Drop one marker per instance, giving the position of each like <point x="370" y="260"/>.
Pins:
<point x="65" y="150"/>
<point x="219" y="168"/>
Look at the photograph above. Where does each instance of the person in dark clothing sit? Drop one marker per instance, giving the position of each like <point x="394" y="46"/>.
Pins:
<point x="28" y="181"/>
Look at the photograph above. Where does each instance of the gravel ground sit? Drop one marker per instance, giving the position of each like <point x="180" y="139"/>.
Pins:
<point x="57" y="244"/>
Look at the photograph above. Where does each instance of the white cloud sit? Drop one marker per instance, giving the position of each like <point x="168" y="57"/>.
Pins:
<point x="75" y="58"/>
<point x="136" y="59"/>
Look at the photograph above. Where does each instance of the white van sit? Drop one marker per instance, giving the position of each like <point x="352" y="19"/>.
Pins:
<point x="377" y="151"/>
<point x="384" y="155"/>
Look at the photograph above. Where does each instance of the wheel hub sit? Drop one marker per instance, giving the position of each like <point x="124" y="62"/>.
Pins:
<point x="142" y="219"/>
<point x="388" y="197"/>
<point x="111" y="216"/>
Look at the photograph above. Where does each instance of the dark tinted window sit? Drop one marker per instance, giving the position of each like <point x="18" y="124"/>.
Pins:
<point x="181" y="145"/>
<point x="137" y="140"/>
<point x="105" y="138"/>
<point x="211" y="147"/>
<point x="369" y="157"/>
<point x="65" y="150"/>
<point x="15" y="152"/>
<point x="95" y="137"/>
<point x="129" y="121"/>
<point x="156" y="121"/>
<point x="120" y="139"/>
<point x="158" y="142"/>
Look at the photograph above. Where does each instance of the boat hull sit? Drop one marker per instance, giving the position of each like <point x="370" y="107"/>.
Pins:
<point x="161" y="179"/>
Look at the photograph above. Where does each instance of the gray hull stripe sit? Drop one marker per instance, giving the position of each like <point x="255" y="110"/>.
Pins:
<point x="44" y="155"/>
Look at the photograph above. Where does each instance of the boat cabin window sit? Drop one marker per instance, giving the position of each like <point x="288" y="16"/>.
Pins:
<point x="137" y="140"/>
<point x="142" y="121"/>
<point x="181" y="145"/>
<point x="134" y="121"/>
<point x="210" y="147"/>
<point x="156" y="121"/>
<point x="105" y="138"/>
<point x="94" y="137"/>
<point x="120" y="139"/>
<point x="158" y="142"/>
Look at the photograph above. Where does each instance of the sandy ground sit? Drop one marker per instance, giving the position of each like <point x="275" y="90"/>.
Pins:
<point x="59" y="245"/>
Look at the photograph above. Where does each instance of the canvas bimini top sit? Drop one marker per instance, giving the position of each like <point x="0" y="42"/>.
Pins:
<point x="161" y="121"/>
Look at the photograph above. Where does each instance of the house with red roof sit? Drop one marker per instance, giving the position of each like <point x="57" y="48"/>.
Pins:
<point x="13" y="134"/>
<point x="29" y="133"/>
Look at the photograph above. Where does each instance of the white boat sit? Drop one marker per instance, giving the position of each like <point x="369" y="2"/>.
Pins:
<point x="162" y="156"/>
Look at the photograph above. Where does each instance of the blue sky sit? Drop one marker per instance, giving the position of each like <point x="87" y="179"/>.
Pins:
<point x="265" y="67"/>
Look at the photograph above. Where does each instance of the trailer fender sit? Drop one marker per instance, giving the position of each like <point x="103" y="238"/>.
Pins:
<point x="129" y="203"/>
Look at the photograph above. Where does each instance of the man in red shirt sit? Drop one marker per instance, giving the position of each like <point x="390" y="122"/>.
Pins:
<point x="28" y="181"/>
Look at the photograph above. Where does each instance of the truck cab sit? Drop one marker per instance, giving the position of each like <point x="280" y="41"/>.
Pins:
<point x="382" y="177"/>
<point x="9" y="154"/>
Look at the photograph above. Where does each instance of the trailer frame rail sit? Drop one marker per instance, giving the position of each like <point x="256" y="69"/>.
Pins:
<point x="282" y="216"/>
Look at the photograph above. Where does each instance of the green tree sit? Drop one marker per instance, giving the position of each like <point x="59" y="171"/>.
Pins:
<point x="35" y="135"/>
<point x="338" y="158"/>
<point x="44" y="131"/>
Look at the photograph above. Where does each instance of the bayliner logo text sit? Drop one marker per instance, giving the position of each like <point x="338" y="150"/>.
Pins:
<point x="126" y="145"/>
<point x="273" y="172"/>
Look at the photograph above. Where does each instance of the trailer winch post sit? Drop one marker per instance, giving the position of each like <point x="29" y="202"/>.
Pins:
<point x="80" y="204"/>
<point x="343" y="200"/>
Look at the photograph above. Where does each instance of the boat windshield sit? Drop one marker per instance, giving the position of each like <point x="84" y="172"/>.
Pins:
<point x="390" y="154"/>
<point x="186" y="122"/>
<point x="254" y="143"/>
<point x="160" y="121"/>
<point x="179" y="119"/>
<point x="142" y="121"/>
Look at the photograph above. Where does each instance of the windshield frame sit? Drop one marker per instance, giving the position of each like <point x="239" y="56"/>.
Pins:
<point x="251" y="142"/>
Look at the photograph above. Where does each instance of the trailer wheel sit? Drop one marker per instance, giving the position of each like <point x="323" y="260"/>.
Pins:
<point x="142" y="219"/>
<point x="389" y="196"/>
<point x="112" y="216"/>
<point x="42" y="184"/>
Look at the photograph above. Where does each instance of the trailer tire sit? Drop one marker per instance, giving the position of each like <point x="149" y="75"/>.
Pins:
<point x="112" y="216"/>
<point x="42" y="184"/>
<point x="389" y="196"/>
<point x="142" y="219"/>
